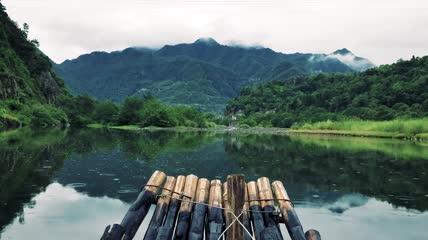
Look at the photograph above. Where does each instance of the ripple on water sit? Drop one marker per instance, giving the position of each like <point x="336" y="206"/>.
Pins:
<point x="124" y="191"/>
<point x="405" y="198"/>
<point x="108" y="174"/>
<point x="76" y="185"/>
<point x="127" y="189"/>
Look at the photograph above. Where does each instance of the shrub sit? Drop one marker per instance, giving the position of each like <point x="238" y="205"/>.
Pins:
<point x="129" y="113"/>
<point x="45" y="115"/>
<point x="244" y="126"/>
<point x="106" y="112"/>
<point x="156" y="114"/>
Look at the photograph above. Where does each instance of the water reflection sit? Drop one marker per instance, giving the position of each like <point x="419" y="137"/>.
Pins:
<point x="335" y="182"/>
<point x="63" y="213"/>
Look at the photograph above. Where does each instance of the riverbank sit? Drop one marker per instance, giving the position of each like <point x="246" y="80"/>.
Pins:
<point x="414" y="129"/>
<point x="218" y="128"/>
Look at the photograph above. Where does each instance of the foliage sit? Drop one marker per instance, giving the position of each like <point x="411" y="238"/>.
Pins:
<point x="154" y="113"/>
<point x="45" y="115"/>
<point x="398" y="127"/>
<point x="79" y="109"/>
<point x="129" y="112"/>
<point x="146" y="112"/>
<point x="388" y="92"/>
<point x="29" y="89"/>
<point x="14" y="114"/>
<point x="106" y="112"/>
<point x="201" y="75"/>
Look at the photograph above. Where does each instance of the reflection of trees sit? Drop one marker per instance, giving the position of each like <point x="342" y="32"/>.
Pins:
<point x="126" y="164"/>
<point x="400" y="181"/>
<point x="149" y="144"/>
<point x="27" y="161"/>
<point x="135" y="144"/>
<point x="83" y="141"/>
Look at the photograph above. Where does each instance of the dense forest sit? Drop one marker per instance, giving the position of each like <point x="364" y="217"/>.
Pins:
<point x="31" y="94"/>
<point x="399" y="90"/>
<point x="29" y="89"/>
<point x="203" y="74"/>
<point x="142" y="112"/>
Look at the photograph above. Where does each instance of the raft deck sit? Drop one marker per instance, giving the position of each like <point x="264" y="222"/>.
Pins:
<point x="188" y="207"/>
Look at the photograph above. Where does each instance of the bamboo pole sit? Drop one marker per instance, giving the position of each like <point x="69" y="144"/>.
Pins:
<point x="235" y="200"/>
<point x="312" y="234"/>
<point x="292" y="222"/>
<point x="196" y="231"/>
<point x="138" y="210"/>
<point x="186" y="207"/>
<point x="247" y="220"/>
<point x="161" y="209"/>
<point x="265" y="192"/>
<point x="166" y="231"/>
<point x="215" y="213"/>
<point x="255" y="207"/>
<point x="226" y="206"/>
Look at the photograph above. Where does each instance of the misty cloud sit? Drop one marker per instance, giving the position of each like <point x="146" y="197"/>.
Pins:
<point x="382" y="31"/>
<point x="349" y="59"/>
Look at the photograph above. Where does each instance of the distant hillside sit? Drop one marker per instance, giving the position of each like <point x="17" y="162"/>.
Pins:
<point x="392" y="91"/>
<point x="28" y="86"/>
<point x="204" y="74"/>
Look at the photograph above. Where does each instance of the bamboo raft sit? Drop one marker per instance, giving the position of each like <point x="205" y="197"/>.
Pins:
<point x="188" y="207"/>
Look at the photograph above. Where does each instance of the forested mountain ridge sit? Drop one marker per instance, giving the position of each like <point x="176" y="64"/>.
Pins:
<point x="27" y="81"/>
<point x="25" y="71"/>
<point x="118" y="75"/>
<point x="32" y="95"/>
<point x="399" y="90"/>
<point x="204" y="74"/>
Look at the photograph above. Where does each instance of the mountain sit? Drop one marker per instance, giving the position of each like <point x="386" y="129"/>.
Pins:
<point x="29" y="88"/>
<point x="347" y="57"/>
<point x="204" y="74"/>
<point x="399" y="90"/>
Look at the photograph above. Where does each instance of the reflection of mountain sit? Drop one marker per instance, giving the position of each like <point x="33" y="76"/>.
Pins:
<point x="348" y="201"/>
<point x="117" y="163"/>
<point x="66" y="214"/>
<point x="29" y="161"/>
<point x="120" y="162"/>
<point x="401" y="181"/>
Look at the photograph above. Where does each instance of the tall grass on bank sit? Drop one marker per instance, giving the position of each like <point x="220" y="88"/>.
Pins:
<point x="400" y="128"/>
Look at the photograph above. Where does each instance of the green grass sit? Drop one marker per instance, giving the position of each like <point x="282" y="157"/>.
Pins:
<point x="406" y="150"/>
<point x="126" y="127"/>
<point x="96" y="125"/>
<point x="399" y="128"/>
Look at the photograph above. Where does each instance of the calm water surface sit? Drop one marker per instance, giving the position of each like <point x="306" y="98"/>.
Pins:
<point x="71" y="184"/>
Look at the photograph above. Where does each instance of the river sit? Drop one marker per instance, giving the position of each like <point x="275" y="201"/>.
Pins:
<point x="70" y="184"/>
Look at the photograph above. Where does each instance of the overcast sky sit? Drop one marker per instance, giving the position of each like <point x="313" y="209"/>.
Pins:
<point x="380" y="30"/>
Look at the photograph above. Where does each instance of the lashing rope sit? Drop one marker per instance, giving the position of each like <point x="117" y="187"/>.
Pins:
<point x="181" y="194"/>
<point x="236" y="220"/>
<point x="169" y="190"/>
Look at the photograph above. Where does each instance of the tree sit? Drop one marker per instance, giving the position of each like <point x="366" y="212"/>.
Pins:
<point x="106" y="112"/>
<point x="129" y="113"/>
<point x="2" y="8"/>
<point x="85" y="104"/>
<point x="26" y="29"/>
<point x="157" y="114"/>
<point x="35" y="42"/>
